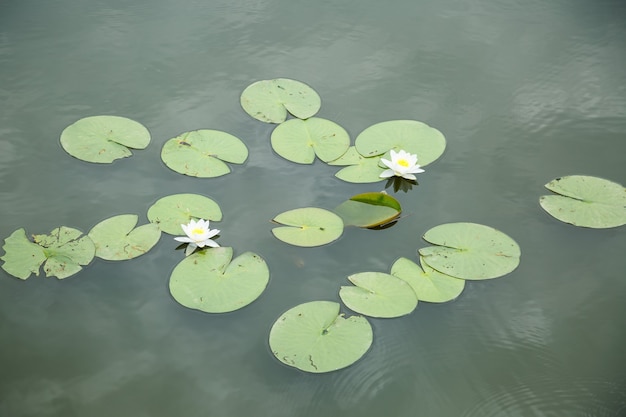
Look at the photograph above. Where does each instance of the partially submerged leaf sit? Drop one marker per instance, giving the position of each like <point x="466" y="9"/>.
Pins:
<point x="208" y="281"/>
<point x="116" y="238"/>
<point x="103" y="139"/>
<point x="470" y="251"/>
<point x="200" y="153"/>
<point x="269" y="100"/>
<point x="22" y="257"/>
<point x="358" y="169"/>
<point x="369" y="209"/>
<point x="308" y="226"/>
<point x="314" y="337"/>
<point x="429" y="284"/>
<point x="301" y="140"/>
<point x="173" y="210"/>
<point x="586" y="201"/>
<point x="376" y="294"/>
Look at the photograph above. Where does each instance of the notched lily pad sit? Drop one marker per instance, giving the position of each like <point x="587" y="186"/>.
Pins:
<point x="173" y="210"/>
<point x="201" y="153"/>
<point x="586" y="201"/>
<point x="315" y="337"/>
<point x="429" y="284"/>
<point x="116" y="238"/>
<point x="308" y="226"/>
<point x="369" y="209"/>
<point x="22" y="257"/>
<point x="358" y="169"/>
<point x="270" y="100"/>
<point x="103" y="139"/>
<point x="208" y="281"/>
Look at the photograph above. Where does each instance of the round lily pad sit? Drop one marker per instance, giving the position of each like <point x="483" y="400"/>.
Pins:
<point x="470" y="251"/>
<point x="301" y="140"/>
<point x="269" y="100"/>
<point x="201" y="153"/>
<point x="429" y="284"/>
<point x="308" y="226"/>
<point x="209" y="281"/>
<point x="586" y="201"/>
<point x="369" y="209"/>
<point x="412" y="136"/>
<point x="314" y="337"/>
<point x="22" y="257"/>
<point x="103" y="139"/>
<point x="377" y="294"/>
<point x="116" y="238"/>
<point x="358" y="169"/>
<point x="173" y="210"/>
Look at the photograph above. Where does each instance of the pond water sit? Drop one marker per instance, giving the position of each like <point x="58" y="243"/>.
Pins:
<point x="524" y="92"/>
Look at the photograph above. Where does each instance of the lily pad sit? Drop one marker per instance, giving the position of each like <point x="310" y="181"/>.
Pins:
<point x="429" y="284"/>
<point x="377" y="294"/>
<point x="358" y="169"/>
<point x="470" y="251"/>
<point x="269" y="100"/>
<point x="412" y="136"/>
<point x="201" y="153"/>
<point x="301" y="140"/>
<point x="314" y="337"/>
<point x="22" y="257"/>
<point x="116" y="238"/>
<point x="369" y="209"/>
<point x="586" y="201"/>
<point x="308" y="226"/>
<point x="209" y="281"/>
<point x="103" y="139"/>
<point x="173" y="210"/>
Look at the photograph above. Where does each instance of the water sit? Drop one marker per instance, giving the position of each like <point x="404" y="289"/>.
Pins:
<point x="524" y="92"/>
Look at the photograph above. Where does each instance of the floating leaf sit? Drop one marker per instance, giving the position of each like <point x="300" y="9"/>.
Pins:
<point x="208" y="281"/>
<point x="200" y="153"/>
<point x="470" y="251"/>
<point x="359" y="169"/>
<point x="369" y="209"/>
<point x="301" y="140"/>
<point x="412" y="136"/>
<point x="309" y="226"/>
<point x="586" y="201"/>
<point x="376" y="294"/>
<point x="269" y="100"/>
<point x="103" y="139"/>
<point x="66" y="249"/>
<point x="22" y="257"/>
<point x="117" y="239"/>
<point x="173" y="210"/>
<point x="429" y="284"/>
<point x="314" y="337"/>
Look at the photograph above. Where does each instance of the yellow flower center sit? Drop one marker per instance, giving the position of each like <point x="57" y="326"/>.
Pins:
<point x="197" y="231"/>
<point x="403" y="162"/>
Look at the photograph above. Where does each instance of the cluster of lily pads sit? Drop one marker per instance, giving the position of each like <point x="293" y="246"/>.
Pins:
<point x="314" y="336"/>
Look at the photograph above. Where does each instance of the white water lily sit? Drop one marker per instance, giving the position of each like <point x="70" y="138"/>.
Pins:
<point x="402" y="164"/>
<point x="198" y="235"/>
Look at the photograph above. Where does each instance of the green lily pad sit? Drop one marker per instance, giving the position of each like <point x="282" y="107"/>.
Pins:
<point x="314" y="337"/>
<point x="308" y="226"/>
<point x="22" y="257"/>
<point x="377" y="294"/>
<point x="301" y="140"/>
<point x="470" y="251"/>
<point x="103" y="139"/>
<point x="269" y="100"/>
<point x="201" y="153"/>
<point x="412" y="136"/>
<point x="173" y="210"/>
<point x="209" y="281"/>
<point x="358" y="169"/>
<point x="586" y="201"/>
<point x="369" y="209"/>
<point x="429" y="284"/>
<point x="116" y="238"/>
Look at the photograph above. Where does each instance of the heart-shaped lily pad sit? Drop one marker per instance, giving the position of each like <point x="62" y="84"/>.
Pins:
<point x="429" y="284"/>
<point x="377" y="294"/>
<point x="358" y="169"/>
<point x="269" y="100"/>
<point x="314" y="337"/>
<point x="173" y="210"/>
<point x="103" y="139"/>
<point x="586" y="201"/>
<point x="308" y="226"/>
<point x="470" y="251"/>
<point x="116" y="238"/>
<point x="208" y="281"/>
<point x="201" y="153"/>
<point x="369" y="209"/>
